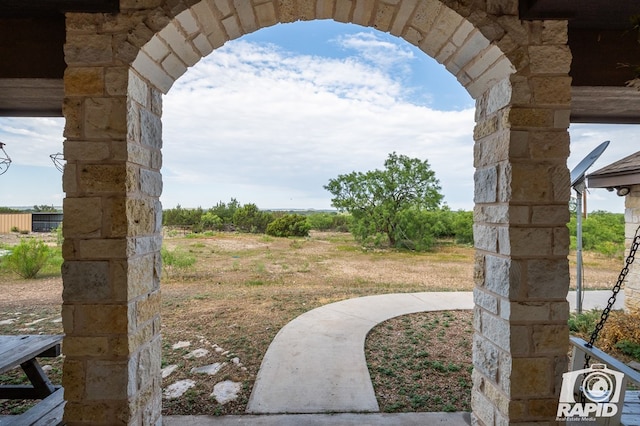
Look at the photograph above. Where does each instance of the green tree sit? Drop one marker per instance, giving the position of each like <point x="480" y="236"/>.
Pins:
<point x="182" y="217"/>
<point x="9" y="210"/>
<point x="249" y="218"/>
<point x="376" y="198"/>
<point x="463" y="227"/>
<point x="329" y="221"/>
<point x="211" y="221"/>
<point x="289" y="225"/>
<point x="225" y="211"/>
<point x="44" y="208"/>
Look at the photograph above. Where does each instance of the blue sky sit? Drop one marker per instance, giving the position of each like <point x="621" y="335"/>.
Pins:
<point x="271" y="117"/>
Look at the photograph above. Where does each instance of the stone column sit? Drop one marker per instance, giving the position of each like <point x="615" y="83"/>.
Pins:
<point x="522" y="274"/>
<point x="632" y="221"/>
<point x="112" y="231"/>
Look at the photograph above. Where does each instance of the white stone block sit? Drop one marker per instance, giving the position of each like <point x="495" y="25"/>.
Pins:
<point x="343" y="10"/>
<point x="462" y="33"/>
<point x="157" y="49"/>
<point x="402" y="16"/>
<point x="138" y="89"/>
<point x="427" y="13"/>
<point x="218" y="37"/>
<point x="188" y="23"/>
<point x="266" y="15"/>
<point x="206" y="18"/>
<point x="485" y="300"/>
<point x="362" y="12"/>
<point x="498" y="71"/>
<point x="201" y="42"/>
<point x="246" y="15"/>
<point x="324" y="9"/>
<point x="153" y="72"/>
<point x="224" y="7"/>
<point x="174" y="66"/>
<point x="177" y="41"/>
<point x="232" y="28"/>
<point x="445" y="53"/>
<point x="499" y="96"/>
<point x="471" y="48"/>
<point x="483" y="61"/>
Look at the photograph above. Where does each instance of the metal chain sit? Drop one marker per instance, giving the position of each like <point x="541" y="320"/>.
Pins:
<point x="616" y="289"/>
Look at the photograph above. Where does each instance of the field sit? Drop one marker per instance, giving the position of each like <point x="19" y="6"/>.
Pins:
<point x="243" y="288"/>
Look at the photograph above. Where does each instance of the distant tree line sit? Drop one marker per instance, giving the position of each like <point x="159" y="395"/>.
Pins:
<point x="233" y="216"/>
<point x="602" y="232"/>
<point x="441" y="223"/>
<point x="43" y="208"/>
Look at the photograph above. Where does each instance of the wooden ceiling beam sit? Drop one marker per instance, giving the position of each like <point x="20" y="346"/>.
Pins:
<point x="39" y="8"/>
<point x="592" y="14"/>
<point x="32" y="47"/>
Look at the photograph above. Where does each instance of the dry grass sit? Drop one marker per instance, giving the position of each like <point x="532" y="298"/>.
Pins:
<point x="244" y="288"/>
<point x="259" y="284"/>
<point x="422" y="362"/>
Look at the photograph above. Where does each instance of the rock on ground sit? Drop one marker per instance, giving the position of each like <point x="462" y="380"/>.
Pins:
<point x="226" y="391"/>
<point x="178" y="389"/>
<point x="209" y="369"/>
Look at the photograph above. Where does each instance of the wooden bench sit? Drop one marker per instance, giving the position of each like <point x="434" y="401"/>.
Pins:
<point x="23" y="351"/>
<point x="629" y="406"/>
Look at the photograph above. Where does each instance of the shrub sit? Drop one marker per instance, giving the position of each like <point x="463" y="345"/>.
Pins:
<point x="584" y="323"/>
<point x="289" y="225"/>
<point x="620" y="331"/>
<point x="54" y="263"/>
<point x="629" y="348"/>
<point x="59" y="236"/>
<point x="27" y="258"/>
<point x="176" y="260"/>
<point x="620" y="326"/>
<point x="249" y="218"/>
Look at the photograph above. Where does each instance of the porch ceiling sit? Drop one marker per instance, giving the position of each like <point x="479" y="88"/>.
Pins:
<point x="601" y="38"/>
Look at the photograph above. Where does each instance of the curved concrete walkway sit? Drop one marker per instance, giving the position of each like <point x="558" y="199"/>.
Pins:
<point x="316" y="363"/>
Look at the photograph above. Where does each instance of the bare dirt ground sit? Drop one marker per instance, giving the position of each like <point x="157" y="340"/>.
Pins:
<point x="243" y="288"/>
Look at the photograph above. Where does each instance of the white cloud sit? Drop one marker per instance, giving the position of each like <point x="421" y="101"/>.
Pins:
<point x="377" y="51"/>
<point x="30" y="141"/>
<point x="297" y="121"/>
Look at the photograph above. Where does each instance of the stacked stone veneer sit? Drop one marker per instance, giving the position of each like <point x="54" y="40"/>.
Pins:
<point x="111" y="274"/>
<point x="632" y="220"/>
<point x="118" y="66"/>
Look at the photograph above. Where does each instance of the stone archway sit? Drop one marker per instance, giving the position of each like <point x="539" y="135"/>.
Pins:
<point x="119" y="66"/>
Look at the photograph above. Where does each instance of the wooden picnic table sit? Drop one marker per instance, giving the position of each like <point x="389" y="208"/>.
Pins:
<point x="23" y="350"/>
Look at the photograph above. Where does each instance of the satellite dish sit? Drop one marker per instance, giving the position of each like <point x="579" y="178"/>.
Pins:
<point x="577" y="177"/>
<point x="577" y="174"/>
